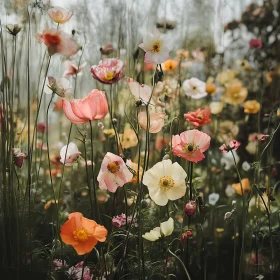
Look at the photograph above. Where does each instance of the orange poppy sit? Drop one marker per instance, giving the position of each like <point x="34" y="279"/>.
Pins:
<point x="169" y="65"/>
<point x="82" y="233"/>
<point x="246" y="186"/>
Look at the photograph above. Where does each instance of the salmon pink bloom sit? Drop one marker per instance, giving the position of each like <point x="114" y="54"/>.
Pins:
<point x="231" y="145"/>
<point x="59" y="15"/>
<point x="113" y="173"/>
<point x="156" y="121"/>
<point x="191" y="145"/>
<point x="72" y="69"/>
<point x="255" y="44"/>
<point x="108" y="71"/>
<point x="92" y="107"/>
<point x="58" y="41"/>
<point x="157" y="47"/>
<point x="83" y="234"/>
<point x="198" y="118"/>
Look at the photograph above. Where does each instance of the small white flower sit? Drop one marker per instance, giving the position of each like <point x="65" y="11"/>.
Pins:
<point x="213" y="198"/>
<point x="227" y="160"/>
<point x="71" y="156"/>
<point x="194" y="88"/>
<point x="167" y="227"/>
<point x="246" y="166"/>
<point x="153" y="234"/>
<point x="229" y="191"/>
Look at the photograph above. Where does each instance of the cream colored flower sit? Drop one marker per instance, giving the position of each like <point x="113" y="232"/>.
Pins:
<point x="235" y="93"/>
<point x="153" y="234"/>
<point x="225" y="77"/>
<point x="216" y="107"/>
<point x="165" y="181"/>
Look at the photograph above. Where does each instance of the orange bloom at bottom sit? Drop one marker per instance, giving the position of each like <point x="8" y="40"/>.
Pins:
<point x="82" y="233"/>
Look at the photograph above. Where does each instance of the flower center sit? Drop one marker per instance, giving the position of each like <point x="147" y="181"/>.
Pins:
<point x="52" y="39"/>
<point x="166" y="183"/>
<point x="190" y="148"/>
<point x="81" y="234"/>
<point x="156" y="47"/>
<point x="109" y="76"/>
<point x="113" y="167"/>
<point x="199" y="117"/>
<point x="194" y="87"/>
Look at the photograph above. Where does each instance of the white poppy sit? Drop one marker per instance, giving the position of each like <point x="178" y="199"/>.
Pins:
<point x="153" y="234"/>
<point x="213" y="198"/>
<point x="72" y="154"/>
<point x="194" y="88"/>
<point x="167" y="227"/>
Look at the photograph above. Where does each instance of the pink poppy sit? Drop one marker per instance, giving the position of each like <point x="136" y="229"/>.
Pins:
<point x="156" y="121"/>
<point x="199" y="118"/>
<point x="231" y="145"/>
<point x="72" y="69"/>
<point x="58" y="41"/>
<point x="113" y="173"/>
<point x="59" y="15"/>
<point x="191" y="145"/>
<point x="108" y="71"/>
<point x="92" y="107"/>
<point x="255" y="44"/>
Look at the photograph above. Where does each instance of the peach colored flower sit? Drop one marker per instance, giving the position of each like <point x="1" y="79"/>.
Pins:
<point x="59" y="15"/>
<point x="58" y="41"/>
<point x="190" y="145"/>
<point x="92" y="107"/>
<point x="108" y="71"/>
<point x="182" y="54"/>
<point x="198" y="118"/>
<point x="156" y="121"/>
<point x="235" y="93"/>
<point x="139" y="91"/>
<point x="216" y="107"/>
<point x="246" y="186"/>
<point x="251" y="107"/>
<point x="113" y="173"/>
<point x="72" y="69"/>
<point x="82" y="233"/>
<point x="169" y="65"/>
<point x="128" y="138"/>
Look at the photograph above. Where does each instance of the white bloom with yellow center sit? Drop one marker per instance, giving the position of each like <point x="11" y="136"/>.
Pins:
<point x="165" y="181"/>
<point x="194" y="88"/>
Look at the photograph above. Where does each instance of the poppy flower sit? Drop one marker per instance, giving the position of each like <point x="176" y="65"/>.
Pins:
<point x="255" y="44"/>
<point x="139" y="91"/>
<point x="190" y="145"/>
<point x="194" y="88"/>
<point x="83" y="234"/>
<point x="198" y="118"/>
<point x="246" y="186"/>
<point x="235" y="93"/>
<point x="108" y="71"/>
<point x="169" y="65"/>
<point x="156" y="121"/>
<point x="72" y="69"/>
<point x="231" y="145"/>
<point x="59" y="15"/>
<point x="92" y="107"/>
<point x="251" y="107"/>
<point x="113" y="173"/>
<point x="62" y="87"/>
<point x="58" y="41"/>
<point x="71" y="156"/>
<point x="128" y="138"/>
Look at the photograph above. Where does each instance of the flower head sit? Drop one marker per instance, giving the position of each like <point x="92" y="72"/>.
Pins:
<point x="83" y="234"/>
<point x="169" y="65"/>
<point x="108" y="71"/>
<point x="18" y="157"/>
<point x="58" y="41"/>
<point x="194" y="88"/>
<point x="190" y="145"/>
<point x="235" y="93"/>
<point x="213" y="198"/>
<point x="190" y="208"/>
<point x="139" y="91"/>
<point x="246" y="186"/>
<point x="59" y="15"/>
<point x="79" y="272"/>
<point x="42" y="127"/>
<point x="231" y="145"/>
<point x="113" y="173"/>
<point x="198" y="118"/>
<point x="92" y="107"/>
<point x="71" y="156"/>
<point x="108" y="49"/>
<point x="128" y="138"/>
<point x="255" y="44"/>
<point x="156" y="121"/>
<point x="251" y="107"/>
<point x="157" y="47"/>
<point x="62" y="87"/>
<point x="165" y="181"/>
<point x="72" y="69"/>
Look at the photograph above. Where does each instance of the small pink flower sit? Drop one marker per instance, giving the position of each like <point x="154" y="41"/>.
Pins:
<point x="108" y="49"/>
<point x="255" y="44"/>
<point x="264" y="137"/>
<point x="113" y="173"/>
<point x="42" y="127"/>
<point x="18" y="157"/>
<point x="199" y="118"/>
<point x="58" y="41"/>
<point x="59" y="15"/>
<point x="92" y="107"/>
<point x="190" y="145"/>
<point x="156" y="121"/>
<point x="190" y="208"/>
<point x="232" y="145"/>
<point x="108" y="71"/>
<point x="72" y="69"/>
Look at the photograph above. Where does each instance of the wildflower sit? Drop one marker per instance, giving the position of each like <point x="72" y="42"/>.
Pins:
<point x="92" y="107"/>
<point x="182" y="54"/>
<point x="120" y="220"/>
<point x="165" y="229"/>
<point x="213" y="198"/>
<point x="128" y="138"/>
<point x="72" y="69"/>
<point x="59" y="264"/>
<point x="13" y="29"/>
<point x="113" y="173"/>
<point x="264" y="137"/>
<point x="142" y="92"/>
<point x="165" y="181"/>
<point x="108" y="49"/>
<point x="190" y="208"/>
<point x="255" y="44"/>
<point x="71" y="156"/>
<point x="169" y="65"/>
<point x="227" y="160"/>
<point x="59" y="15"/>
<point x="194" y="88"/>
<point x="226" y="77"/>
<point x="198" y="55"/>
<point x="251" y="107"/>
<point x="216" y="107"/>
<point x="79" y="272"/>
<point x="58" y="41"/>
<point x="246" y="166"/>
<point x="227" y="130"/>
<point x="156" y="121"/>
<point x="210" y="88"/>
<point x="62" y="87"/>
<point x="231" y="145"/>
<point x="244" y="64"/>
<point x="157" y="47"/>
<point x="186" y="235"/>
<point x="108" y="71"/>
<point x="246" y="186"/>
<point x="235" y="93"/>
<point x="134" y="167"/>
<point x="42" y="127"/>
<point x="199" y="118"/>
<point x="190" y="145"/>
<point x="83" y="234"/>
<point x="18" y="157"/>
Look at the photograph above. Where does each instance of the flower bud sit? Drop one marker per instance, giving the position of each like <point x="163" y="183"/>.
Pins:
<point x="190" y="208"/>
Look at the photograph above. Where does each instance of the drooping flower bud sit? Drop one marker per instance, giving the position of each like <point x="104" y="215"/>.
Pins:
<point x="190" y="208"/>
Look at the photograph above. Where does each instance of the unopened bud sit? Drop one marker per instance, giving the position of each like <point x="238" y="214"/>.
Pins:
<point x="190" y="208"/>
